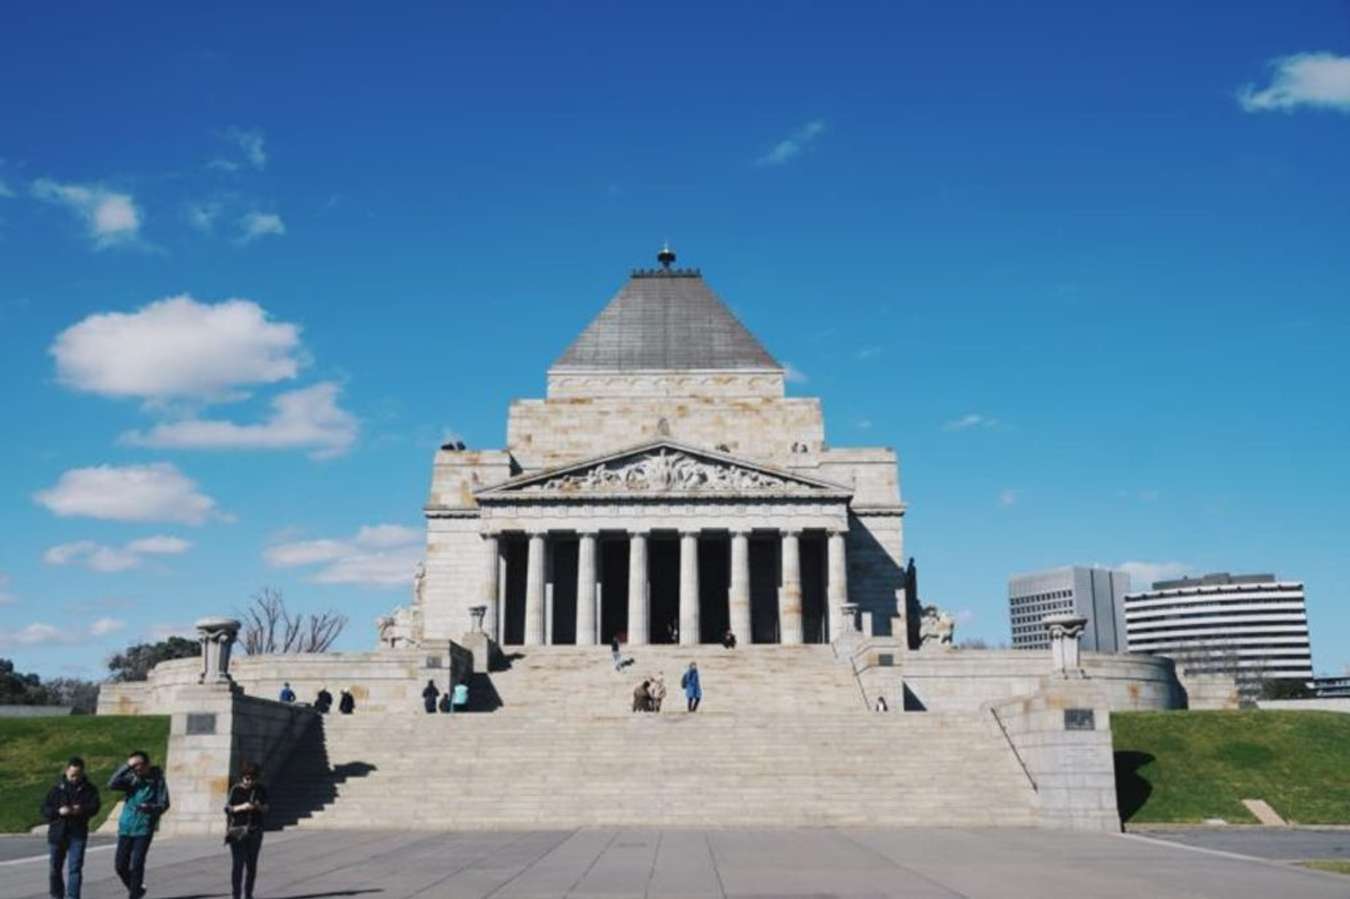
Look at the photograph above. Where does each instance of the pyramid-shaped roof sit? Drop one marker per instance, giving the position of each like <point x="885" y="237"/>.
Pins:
<point x="665" y="319"/>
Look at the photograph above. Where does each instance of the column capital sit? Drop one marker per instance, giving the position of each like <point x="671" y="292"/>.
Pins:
<point x="740" y="531"/>
<point x="837" y="532"/>
<point x="791" y="531"/>
<point x="536" y="532"/>
<point x="691" y="532"/>
<point x="593" y="533"/>
<point x="490" y="535"/>
<point x="639" y="532"/>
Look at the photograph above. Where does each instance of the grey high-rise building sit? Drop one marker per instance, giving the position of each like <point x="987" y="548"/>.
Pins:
<point x="1097" y="594"/>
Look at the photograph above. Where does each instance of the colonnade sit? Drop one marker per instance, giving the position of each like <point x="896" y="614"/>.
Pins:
<point x="791" y="629"/>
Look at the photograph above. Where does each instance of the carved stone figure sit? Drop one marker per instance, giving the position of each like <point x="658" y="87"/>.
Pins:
<point x="664" y="472"/>
<point x="403" y="628"/>
<point x="936" y="628"/>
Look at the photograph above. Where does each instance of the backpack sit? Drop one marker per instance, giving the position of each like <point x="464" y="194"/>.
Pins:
<point x="684" y="681"/>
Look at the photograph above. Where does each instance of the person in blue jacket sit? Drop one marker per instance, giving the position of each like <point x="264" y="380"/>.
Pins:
<point x="147" y="798"/>
<point x="693" y="690"/>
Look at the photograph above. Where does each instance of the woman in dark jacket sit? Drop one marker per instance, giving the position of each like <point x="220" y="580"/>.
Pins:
<point x="429" y="694"/>
<point x="244" y="811"/>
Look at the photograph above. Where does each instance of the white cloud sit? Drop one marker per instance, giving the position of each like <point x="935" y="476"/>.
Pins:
<point x="202" y="216"/>
<point x="98" y="557"/>
<point x="5" y="190"/>
<point x="156" y="492"/>
<point x="1143" y="574"/>
<point x="164" y="631"/>
<point x="385" y="535"/>
<point x="6" y="598"/>
<point x="793" y="375"/>
<point x="177" y="348"/>
<point x="305" y="552"/>
<point x="864" y="424"/>
<point x="1303" y="79"/>
<point x="790" y="148"/>
<point x="105" y="626"/>
<point x="159" y="545"/>
<point x="250" y="143"/>
<point x="40" y="633"/>
<point x="112" y="218"/>
<point x="378" y="555"/>
<point x="868" y="352"/>
<point x="260" y="224"/>
<point x="968" y="421"/>
<point x="301" y="419"/>
<point x="1009" y="497"/>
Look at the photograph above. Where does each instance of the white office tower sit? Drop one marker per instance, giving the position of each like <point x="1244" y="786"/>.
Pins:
<point x="1249" y="625"/>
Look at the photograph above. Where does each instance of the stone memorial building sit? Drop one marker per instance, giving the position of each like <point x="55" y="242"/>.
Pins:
<point x="665" y="489"/>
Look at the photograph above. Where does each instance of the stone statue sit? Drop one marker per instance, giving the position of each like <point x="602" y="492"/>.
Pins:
<point x="936" y="628"/>
<point x="419" y="584"/>
<point x="403" y="628"/>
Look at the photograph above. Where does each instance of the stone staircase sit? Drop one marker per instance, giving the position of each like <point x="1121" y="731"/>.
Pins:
<point x="582" y="679"/>
<point x="783" y="739"/>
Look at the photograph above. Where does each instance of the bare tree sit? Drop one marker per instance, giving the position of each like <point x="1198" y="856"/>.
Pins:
<point x="269" y="627"/>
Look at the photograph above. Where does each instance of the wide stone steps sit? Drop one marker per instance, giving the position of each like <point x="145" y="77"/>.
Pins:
<point x="518" y="768"/>
<point x="582" y="679"/>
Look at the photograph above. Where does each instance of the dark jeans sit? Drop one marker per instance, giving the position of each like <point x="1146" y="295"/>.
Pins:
<point x="245" y="855"/>
<point x="71" y="848"/>
<point x="130" y="862"/>
<point x="693" y="702"/>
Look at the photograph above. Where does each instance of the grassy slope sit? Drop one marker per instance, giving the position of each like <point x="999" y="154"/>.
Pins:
<point x="1174" y="767"/>
<point x="33" y="752"/>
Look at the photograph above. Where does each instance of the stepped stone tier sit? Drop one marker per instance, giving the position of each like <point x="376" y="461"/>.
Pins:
<point x="664" y="491"/>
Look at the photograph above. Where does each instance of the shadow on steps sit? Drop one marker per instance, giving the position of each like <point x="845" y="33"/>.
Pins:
<point x="308" y="781"/>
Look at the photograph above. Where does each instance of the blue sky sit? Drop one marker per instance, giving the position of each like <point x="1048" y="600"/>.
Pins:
<point x="1083" y="266"/>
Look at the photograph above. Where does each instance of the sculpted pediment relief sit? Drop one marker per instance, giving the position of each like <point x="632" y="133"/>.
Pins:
<point x="665" y="469"/>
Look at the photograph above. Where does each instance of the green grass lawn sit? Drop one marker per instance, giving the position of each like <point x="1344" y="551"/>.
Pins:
<point x="1184" y="767"/>
<point x="33" y="753"/>
<point x="1335" y="866"/>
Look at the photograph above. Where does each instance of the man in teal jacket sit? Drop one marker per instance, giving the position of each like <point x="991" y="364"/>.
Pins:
<point x="147" y="797"/>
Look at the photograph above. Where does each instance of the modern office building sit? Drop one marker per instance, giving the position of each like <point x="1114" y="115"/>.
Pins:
<point x="1250" y="625"/>
<point x="1095" y="593"/>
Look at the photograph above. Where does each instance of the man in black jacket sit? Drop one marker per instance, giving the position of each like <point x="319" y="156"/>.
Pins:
<point x="68" y="807"/>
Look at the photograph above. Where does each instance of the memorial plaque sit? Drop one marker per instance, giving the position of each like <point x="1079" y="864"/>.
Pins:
<point x="886" y="660"/>
<point x="199" y="723"/>
<point x="1079" y="719"/>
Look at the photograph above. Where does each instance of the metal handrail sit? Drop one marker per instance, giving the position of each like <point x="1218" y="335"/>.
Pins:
<point x="1017" y="755"/>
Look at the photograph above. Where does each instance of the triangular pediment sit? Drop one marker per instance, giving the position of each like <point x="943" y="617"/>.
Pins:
<point x="668" y="469"/>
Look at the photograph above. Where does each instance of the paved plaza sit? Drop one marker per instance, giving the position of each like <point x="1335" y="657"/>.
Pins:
<point x="788" y="863"/>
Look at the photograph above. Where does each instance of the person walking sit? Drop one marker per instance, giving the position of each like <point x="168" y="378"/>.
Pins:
<point x="347" y="702"/>
<point x="429" y="694"/>
<point x="729" y="640"/>
<point x="693" y="690"/>
<point x="460" y="696"/>
<point x="147" y="798"/>
<point x="68" y="807"/>
<point x="244" y="812"/>
<point x="287" y="694"/>
<point x="614" y="651"/>
<point x="657" y="691"/>
<point x="641" y="699"/>
<point x="323" y="702"/>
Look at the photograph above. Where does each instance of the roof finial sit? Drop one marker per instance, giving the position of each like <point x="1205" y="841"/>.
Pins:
<point x="666" y="256"/>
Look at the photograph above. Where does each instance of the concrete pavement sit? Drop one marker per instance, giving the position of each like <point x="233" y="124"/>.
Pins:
<point x="787" y="863"/>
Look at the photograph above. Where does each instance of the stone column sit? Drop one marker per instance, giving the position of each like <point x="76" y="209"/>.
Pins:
<point x="500" y="634"/>
<point x="586" y="589"/>
<point x="1065" y="631"/>
<point x="639" y="599"/>
<point x="689" y="619"/>
<point x="738" y="598"/>
<point x="217" y="636"/>
<point x="491" y="567"/>
<point x="534" y="591"/>
<point x="790" y="593"/>
<point x="836" y="587"/>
